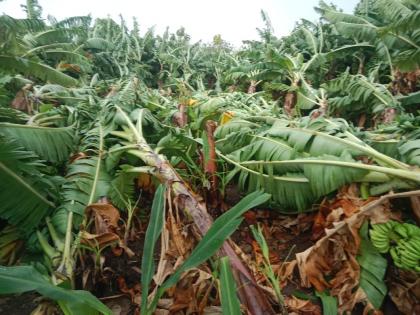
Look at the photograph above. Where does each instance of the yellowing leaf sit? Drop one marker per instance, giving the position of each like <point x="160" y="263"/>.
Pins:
<point x="191" y="102"/>
<point x="226" y="117"/>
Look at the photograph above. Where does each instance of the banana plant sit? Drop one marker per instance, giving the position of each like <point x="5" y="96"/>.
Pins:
<point x="298" y="163"/>
<point x="17" y="55"/>
<point x="390" y="25"/>
<point x="134" y="143"/>
<point x="295" y="69"/>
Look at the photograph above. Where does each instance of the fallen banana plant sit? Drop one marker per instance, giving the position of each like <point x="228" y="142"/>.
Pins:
<point x="211" y="242"/>
<point x="299" y="165"/>
<point x="135" y="144"/>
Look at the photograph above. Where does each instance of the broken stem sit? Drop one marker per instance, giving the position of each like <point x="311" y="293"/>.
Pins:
<point x="251" y="295"/>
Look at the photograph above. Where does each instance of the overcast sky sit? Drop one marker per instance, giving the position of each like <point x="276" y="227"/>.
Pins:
<point x="235" y="20"/>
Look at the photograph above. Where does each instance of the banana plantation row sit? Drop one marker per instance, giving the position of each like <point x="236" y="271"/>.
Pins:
<point x="279" y="177"/>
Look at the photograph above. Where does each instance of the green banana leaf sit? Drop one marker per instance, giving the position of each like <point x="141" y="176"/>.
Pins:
<point x="20" y="279"/>
<point x="372" y="269"/>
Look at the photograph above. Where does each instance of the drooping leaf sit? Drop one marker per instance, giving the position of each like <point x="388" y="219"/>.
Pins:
<point x="298" y="165"/>
<point x="286" y="184"/>
<point x="39" y="70"/>
<point x="325" y="178"/>
<point x="22" y="279"/>
<point x="410" y="99"/>
<point x="316" y="142"/>
<point x="24" y="189"/>
<point x="11" y="115"/>
<point x="84" y="182"/>
<point x="51" y="144"/>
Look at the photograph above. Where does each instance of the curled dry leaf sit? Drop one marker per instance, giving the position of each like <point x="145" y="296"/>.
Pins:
<point x="343" y="206"/>
<point x="165" y="266"/>
<point x="133" y="293"/>
<point x="334" y="256"/>
<point x="99" y="240"/>
<point x="286" y="271"/>
<point x="415" y="206"/>
<point x="184" y="297"/>
<point x="180" y="242"/>
<point x="173" y="246"/>
<point x="145" y="182"/>
<point x="226" y="117"/>
<point x="250" y="217"/>
<point x="62" y="66"/>
<point x="302" y="307"/>
<point x="105" y="228"/>
<point x="106" y="216"/>
<point x="77" y="156"/>
<point x="191" y="292"/>
<point x="165" y="303"/>
<point x="21" y="101"/>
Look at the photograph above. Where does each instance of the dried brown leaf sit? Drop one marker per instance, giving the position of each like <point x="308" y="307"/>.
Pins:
<point x="286" y="270"/>
<point x="334" y="256"/>
<point x="302" y="307"/>
<point x="145" y="182"/>
<point x="405" y="291"/>
<point x="21" y="101"/>
<point x="104" y="232"/>
<point x="99" y="240"/>
<point x="134" y="292"/>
